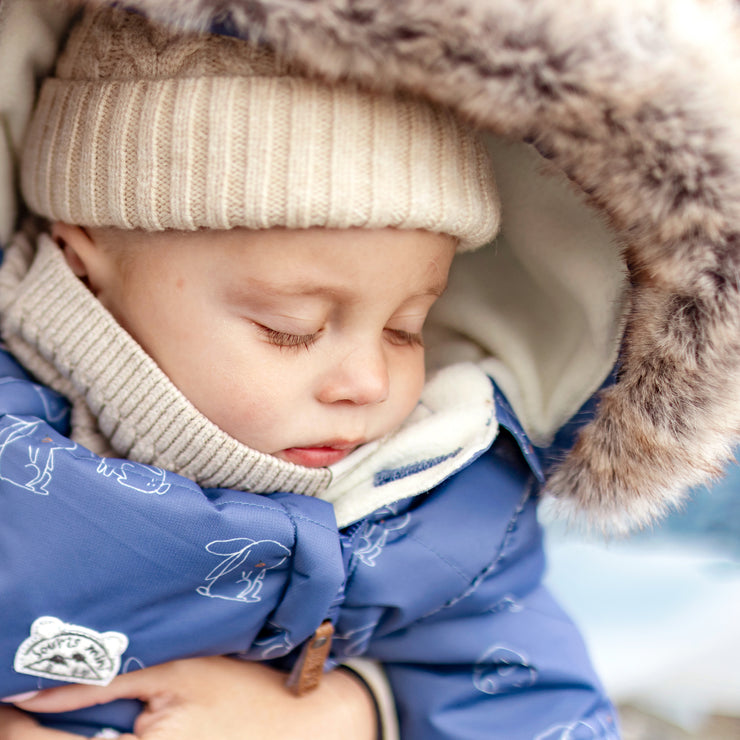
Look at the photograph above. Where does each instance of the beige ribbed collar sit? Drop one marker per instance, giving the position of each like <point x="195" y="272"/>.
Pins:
<point x="123" y="404"/>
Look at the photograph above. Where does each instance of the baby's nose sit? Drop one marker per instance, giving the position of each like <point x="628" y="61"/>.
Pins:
<point x="361" y="378"/>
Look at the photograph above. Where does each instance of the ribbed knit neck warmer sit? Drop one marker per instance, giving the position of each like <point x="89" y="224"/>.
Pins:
<point x="122" y="402"/>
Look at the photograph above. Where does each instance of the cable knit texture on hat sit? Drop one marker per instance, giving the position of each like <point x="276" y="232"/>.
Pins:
<point x="144" y="128"/>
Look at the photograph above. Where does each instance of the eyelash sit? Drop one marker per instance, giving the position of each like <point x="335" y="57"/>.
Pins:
<point x="284" y="340"/>
<point x="405" y="338"/>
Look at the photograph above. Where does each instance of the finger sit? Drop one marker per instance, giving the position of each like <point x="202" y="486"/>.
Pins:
<point x="15" y="725"/>
<point x="142" y="685"/>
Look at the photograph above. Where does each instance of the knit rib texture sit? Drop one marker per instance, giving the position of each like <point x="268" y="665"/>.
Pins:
<point x="145" y="128"/>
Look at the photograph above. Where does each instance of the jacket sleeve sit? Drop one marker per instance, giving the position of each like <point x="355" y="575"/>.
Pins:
<point x="140" y="565"/>
<point x="474" y="646"/>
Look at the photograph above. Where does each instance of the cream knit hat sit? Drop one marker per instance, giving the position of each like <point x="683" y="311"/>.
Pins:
<point x="146" y="128"/>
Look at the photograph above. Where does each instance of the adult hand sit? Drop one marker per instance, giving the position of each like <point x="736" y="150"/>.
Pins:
<point x="213" y="698"/>
<point x="15" y="725"/>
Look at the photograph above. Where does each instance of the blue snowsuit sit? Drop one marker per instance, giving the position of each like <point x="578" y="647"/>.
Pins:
<point x="443" y="588"/>
<point x="633" y="103"/>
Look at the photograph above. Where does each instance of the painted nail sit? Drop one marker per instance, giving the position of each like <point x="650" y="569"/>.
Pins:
<point x="17" y="698"/>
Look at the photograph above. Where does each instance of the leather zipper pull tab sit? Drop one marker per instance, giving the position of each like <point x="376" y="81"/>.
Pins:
<point x="309" y="668"/>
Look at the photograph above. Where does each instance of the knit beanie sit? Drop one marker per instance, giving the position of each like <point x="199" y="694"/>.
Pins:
<point x="142" y="127"/>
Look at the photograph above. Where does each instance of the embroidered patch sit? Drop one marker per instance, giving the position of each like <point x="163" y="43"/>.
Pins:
<point x="68" y="652"/>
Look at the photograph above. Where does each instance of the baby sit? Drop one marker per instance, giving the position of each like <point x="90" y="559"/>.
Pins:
<point x="303" y="344"/>
<point x="232" y="295"/>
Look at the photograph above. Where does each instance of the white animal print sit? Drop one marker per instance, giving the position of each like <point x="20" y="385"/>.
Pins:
<point x="25" y="461"/>
<point x="375" y="537"/>
<point x="241" y="574"/>
<point x="500" y="669"/>
<point x="139" y="477"/>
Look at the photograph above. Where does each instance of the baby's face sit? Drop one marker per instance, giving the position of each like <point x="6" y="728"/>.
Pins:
<point x="303" y="344"/>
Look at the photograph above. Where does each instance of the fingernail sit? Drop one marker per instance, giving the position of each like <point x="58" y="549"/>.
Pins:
<point x="17" y="698"/>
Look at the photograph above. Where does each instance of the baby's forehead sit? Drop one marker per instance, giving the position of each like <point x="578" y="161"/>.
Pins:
<point x="358" y="243"/>
<point x="113" y="236"/>
<point x="299" y="262"/>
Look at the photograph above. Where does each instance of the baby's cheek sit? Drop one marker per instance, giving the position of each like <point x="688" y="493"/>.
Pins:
<point x="410" y="380"/>
<point x="252" y="413"/>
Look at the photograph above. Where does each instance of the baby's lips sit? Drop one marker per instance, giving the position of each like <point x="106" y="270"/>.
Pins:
<point x="19" y="698"/>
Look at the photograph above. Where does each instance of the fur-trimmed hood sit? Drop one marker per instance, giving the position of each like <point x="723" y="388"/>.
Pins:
<point x="634" y="102"/>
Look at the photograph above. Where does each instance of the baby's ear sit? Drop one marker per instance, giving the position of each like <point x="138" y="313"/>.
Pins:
<point x="76" y="245"/>
<point x="85" y="256"/>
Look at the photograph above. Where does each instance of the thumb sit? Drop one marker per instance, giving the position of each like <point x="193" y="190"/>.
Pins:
<point x="141" y="685"/>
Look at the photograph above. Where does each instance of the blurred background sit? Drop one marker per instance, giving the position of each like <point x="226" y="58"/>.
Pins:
<point x="661" y="614"/>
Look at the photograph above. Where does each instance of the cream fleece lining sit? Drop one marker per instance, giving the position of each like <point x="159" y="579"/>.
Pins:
<point x="541" y="309"/>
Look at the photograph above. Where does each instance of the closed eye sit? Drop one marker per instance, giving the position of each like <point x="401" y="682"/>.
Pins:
<point x="286" y="340"/>
<point x="399" y="337"/>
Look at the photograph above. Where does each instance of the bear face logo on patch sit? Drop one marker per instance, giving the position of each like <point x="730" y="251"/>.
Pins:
<point x="68" y="652"/>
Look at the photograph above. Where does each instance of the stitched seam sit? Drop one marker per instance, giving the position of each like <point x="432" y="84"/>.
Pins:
<point x="476" y="582"/>
<point x="447" y="562"/>
<point x="293" y="517"/>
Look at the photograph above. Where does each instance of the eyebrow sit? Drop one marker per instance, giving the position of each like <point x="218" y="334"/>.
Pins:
<point x="437" y="288"/>
<point x="302" y="289"/>
<point x="299" y="289"/>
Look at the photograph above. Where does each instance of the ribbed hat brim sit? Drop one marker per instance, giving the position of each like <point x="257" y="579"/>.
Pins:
<point x="256" y="152"/>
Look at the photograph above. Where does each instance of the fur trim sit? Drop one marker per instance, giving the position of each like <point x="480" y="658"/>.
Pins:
<point x="635" y="100"/>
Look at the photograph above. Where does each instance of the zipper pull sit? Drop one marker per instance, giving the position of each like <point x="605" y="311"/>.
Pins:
<point x="309" y="668"/>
